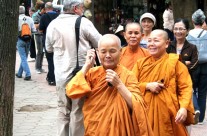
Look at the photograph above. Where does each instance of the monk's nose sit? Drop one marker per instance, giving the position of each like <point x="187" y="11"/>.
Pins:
<point x="108" y="54"/>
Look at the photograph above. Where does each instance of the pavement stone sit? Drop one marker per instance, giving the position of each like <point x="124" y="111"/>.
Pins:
<point x="37" y="92"/>
<point x="35" y="104"/>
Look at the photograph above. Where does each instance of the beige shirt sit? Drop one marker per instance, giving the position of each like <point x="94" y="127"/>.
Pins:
<point x="60" y="39"/>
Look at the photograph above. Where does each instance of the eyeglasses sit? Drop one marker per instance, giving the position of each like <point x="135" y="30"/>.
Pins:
<point x="179" y="29"/>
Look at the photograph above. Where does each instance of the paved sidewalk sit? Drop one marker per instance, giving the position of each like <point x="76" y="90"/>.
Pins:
<point x="35" y="106"/>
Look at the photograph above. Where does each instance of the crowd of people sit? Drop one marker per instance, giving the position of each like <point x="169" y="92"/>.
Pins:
<point x="150" y="82"/>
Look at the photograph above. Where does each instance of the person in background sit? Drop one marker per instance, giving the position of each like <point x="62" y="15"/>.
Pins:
<point x="23" y="46"/>
<point x="168" y="20"/>
<point x="32" y="47"/>
<point x="187" y="51"/>
<point x="120" y="33"/>
<point x="147" y="21"/>
<point x="200" y="76"/>
<point x="61" y="40"/>
<point x="133" y="51"/>
<point x="167" y="88"/>
<point x="44" y="22"/>
<point x="204" y="26"/>
<point x="117" y="109"/>
<point x="38" y="38"/>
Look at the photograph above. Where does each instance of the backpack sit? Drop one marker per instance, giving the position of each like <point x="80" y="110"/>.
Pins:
<point x="201" y="45"/>
<point x="25" y="33"/>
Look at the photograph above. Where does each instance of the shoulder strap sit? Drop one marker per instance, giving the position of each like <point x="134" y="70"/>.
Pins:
<point x="200" y="34"/>
<point x="77" y="30"/>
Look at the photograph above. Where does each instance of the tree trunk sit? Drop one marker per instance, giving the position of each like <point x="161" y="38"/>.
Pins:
<point x="184" y="9"/>
<point x="8" y="37"/>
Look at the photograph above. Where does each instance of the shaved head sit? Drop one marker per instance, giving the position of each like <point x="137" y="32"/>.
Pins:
<point x="157" y="43"/>
<point x="161" y="32"/>
<point x="109" y="38"/>
<point x="109" y="50"/>
<point x="133" y="24"/>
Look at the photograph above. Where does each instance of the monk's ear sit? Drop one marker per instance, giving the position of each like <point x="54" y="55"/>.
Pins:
<point x="167" y="43"/>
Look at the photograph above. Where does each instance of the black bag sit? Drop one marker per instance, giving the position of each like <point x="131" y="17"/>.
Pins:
<point x="76" y="70"/>
<point x="77" y="27"/>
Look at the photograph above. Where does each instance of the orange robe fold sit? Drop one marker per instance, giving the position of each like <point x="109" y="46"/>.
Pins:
<point x="129" y="58"/>
<point x="177" y="93"/>
<point x="105" y="111"/>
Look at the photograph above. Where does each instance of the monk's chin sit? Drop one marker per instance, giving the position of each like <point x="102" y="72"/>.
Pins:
<point x="110" y="67"/>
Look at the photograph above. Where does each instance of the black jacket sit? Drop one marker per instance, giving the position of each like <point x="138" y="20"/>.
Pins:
<point x="189" y="52"/>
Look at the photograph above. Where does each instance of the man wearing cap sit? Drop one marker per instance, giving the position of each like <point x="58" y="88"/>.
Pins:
<point x="198" y="36"/>
<point x="61" y="40"/>
<point x="147" y="21"/>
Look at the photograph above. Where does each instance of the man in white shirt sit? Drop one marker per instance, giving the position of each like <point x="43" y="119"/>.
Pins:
<point x="61" y="40"/>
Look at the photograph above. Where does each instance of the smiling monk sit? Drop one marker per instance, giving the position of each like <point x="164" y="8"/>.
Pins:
<point x="117" y="109"/>
<point x="133" y="51"/>
<point x="167" y="88"/>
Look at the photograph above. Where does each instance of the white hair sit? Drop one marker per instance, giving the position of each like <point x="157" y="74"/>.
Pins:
<point x="21" y="10"/>
<point x="69" y="4"/>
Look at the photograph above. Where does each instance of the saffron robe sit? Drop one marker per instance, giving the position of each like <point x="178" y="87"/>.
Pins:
<point x="177" y="93"/>
<point x="105" y="111"/>
<point x="129" y="58"/>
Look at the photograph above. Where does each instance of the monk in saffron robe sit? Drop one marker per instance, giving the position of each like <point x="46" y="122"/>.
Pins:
<point x="113" y="104"/>
<point x="133" y="51"/>
<point x="167" y="88"/>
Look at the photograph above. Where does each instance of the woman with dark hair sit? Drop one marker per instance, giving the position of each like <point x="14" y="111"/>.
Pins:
<point x="168" y="20"/>
<point x="187" y="51"/>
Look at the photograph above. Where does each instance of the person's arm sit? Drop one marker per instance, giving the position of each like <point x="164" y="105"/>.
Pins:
<point x="79" y="86"/>
<point x="184" y="91"/>
<point x="114" y="80"/>
<point x="50" y="40"/>
<point x="32" y="25"/>
<point x="141" y="85"/>
<point x="194" y="59"/>
<point x="90" y="58"/>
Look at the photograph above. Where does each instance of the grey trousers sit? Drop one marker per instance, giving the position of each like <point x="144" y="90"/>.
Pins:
<point x="70" y="117"/>
<point x="39" y="50"/>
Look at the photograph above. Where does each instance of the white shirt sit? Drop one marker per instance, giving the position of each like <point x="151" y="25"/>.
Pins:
<point x="168" y="20"/>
